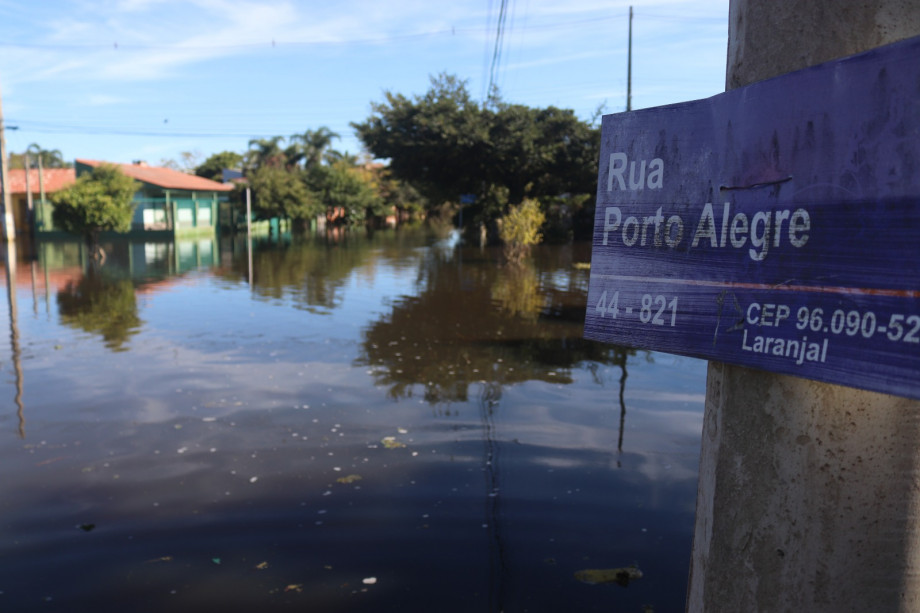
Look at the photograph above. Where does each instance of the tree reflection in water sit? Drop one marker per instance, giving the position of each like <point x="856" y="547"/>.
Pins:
<point x="472" y="321"/>
<point x="528" y="452"/>
<point x="311" y="275"/>
<point x="476" y="322"/>
<point x="102" y="305"/>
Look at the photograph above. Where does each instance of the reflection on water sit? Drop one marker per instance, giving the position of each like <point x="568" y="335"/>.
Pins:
<point x="15" y="353"/>
<point x="205" y="432"/>
<point x="517" y="290"/>
<point x="457" y="331"/>
<point x="100" y="304"/>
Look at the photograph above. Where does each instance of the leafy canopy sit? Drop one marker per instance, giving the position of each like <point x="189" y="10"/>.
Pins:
<point x="448" y="146"/>
<point x="307" y="179"/>
<point x="48" y="158"/>
<point x="349" y="188"/>
<point x="102" y="200"/>
<point x="213" y="167"/>
<point x="280" y="192"/>
<point x="437" y="142"/>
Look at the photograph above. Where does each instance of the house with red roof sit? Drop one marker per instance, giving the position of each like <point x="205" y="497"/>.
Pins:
<point x="168" y="203"/>
<point x="32" y="188"/>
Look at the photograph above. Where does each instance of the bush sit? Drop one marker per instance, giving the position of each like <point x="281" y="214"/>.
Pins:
<point x="520" y="229"/>
<point x="102" y="200"/>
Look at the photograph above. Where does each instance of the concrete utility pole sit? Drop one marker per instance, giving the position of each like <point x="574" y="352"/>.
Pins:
<point x="629" y="64"/>
<point x="809" y="492"/>
<point x="6" y="205"/>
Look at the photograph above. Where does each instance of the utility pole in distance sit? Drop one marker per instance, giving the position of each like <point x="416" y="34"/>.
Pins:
<point x="9" y="229"/>
<point x="629" y="65"/>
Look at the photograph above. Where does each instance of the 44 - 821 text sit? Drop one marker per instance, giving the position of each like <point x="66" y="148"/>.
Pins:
<point x="656" y="310"/>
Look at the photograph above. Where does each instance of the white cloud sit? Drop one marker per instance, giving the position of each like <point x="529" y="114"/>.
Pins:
<point x="205" y="64"/>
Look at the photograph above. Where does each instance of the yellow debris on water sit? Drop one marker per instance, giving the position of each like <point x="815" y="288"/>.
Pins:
<point x="349" y="479"/>
<point x="390" y="442"/>
<point x="621" y="576"/>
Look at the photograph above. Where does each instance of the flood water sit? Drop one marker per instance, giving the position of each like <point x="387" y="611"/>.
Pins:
<point x="375" y="422"/>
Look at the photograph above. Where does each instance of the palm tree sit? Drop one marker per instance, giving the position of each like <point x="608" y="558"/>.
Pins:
<point x="49" y="158"/>
<point x="265" y="152"/>
<point x="311" y="144"/>
<point x="333" y="156"/>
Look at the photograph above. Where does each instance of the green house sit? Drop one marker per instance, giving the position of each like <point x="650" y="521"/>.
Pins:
<point x="169" y="203"/>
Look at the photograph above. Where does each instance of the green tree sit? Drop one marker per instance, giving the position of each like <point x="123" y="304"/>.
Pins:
<point x="347" y="187"/>
<point x="279" y="192"/>
<point x="52" y="158"/>
<point x="398" y="194"/>
<point x="445" y="145"/>
<point x="311" y="145"/>
<point x="213" y="167"/>
<point x="331" y="156"/>
<point x="265" y="152"/>
<point x="437" y="142"/>
<point x="102" y="200"/>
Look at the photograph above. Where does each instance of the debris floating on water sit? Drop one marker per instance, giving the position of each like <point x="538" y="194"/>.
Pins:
<point x="620" y="576"/>
<point x="390" y="442"/>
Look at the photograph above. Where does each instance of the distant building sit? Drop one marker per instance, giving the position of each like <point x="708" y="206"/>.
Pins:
<point x="40" y="185"/>
<point x="169" y="203"/>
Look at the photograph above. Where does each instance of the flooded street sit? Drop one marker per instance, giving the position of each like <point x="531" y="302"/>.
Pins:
<point x="379" y="422"/>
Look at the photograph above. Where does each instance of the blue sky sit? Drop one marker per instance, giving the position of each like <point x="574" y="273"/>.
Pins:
<point x="123" y="80"/>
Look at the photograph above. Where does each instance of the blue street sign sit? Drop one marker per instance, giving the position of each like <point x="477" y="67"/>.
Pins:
<point x="775" y="226"/>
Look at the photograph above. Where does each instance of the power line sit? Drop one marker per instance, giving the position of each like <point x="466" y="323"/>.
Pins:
<point x="485" y="55"/>
<point x="497" y="51"/>
<point x="53" y="128"/>
<point x="121" y="46"/>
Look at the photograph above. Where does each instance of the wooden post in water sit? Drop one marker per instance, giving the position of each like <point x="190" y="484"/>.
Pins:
<point x="808" y="492"/>
<point x="249" y="233"/>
